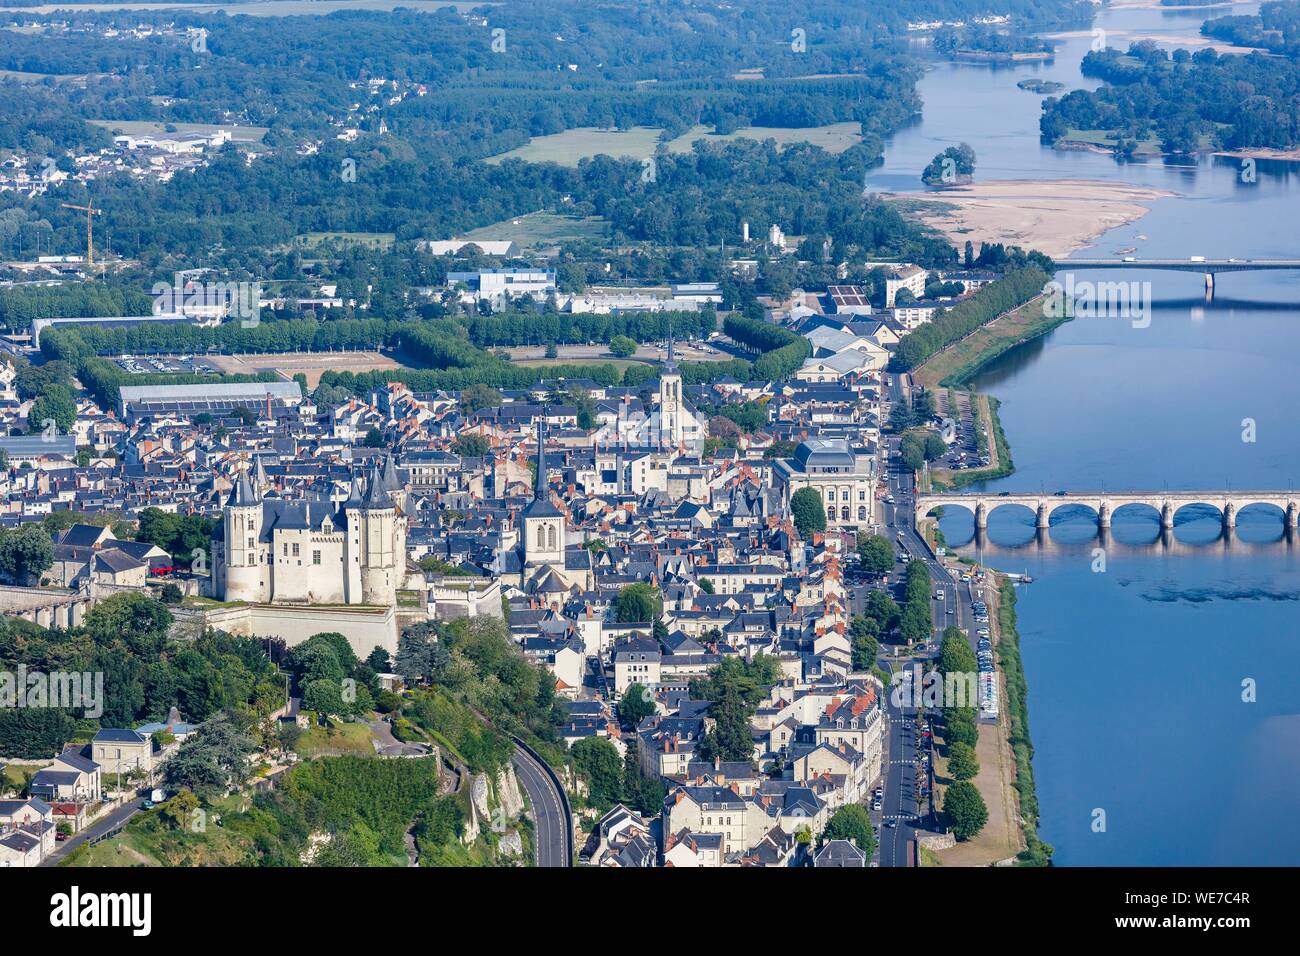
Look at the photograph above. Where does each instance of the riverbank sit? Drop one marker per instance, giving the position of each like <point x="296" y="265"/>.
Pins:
<point x="1282" y="155"/>
<point x="1170" y="41"/>
<point x="993" y="56"/>
<point x="1000" y="464"/>
<point x="1002" y="609"/>
<point x="1003" y="840"/>
<point x="1056" y="217"/>
<point x="955" y="365"/>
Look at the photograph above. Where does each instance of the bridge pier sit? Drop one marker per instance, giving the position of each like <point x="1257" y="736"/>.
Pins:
<point x="1229" y="515"/>
<point x="981" y="516"/>
<point x="1041" y="521"/>
<point x="1292" y="515"/>
<point x="1103" y="516"/>
<point x="1209" y="287"/>
<point x="1167" y="515"/>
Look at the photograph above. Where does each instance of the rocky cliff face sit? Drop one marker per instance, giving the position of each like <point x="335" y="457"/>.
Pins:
<point x="509" y="793"/>
<point x="496" y="804"/>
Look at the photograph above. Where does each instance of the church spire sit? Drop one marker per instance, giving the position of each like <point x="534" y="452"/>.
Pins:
<point x="670" y="365"/>
<point x="539" y="483"/>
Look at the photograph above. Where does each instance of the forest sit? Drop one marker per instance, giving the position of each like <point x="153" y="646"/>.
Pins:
<point x="1275" y="28"/>
<point x="560" y="64"/>
<point x="1189" y="101"/>
<point x="145" y="673"/>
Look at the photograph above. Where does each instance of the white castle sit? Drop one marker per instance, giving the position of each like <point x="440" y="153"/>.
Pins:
<point x="272" y="550"/>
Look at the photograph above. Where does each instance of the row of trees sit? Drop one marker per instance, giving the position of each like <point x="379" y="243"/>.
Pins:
<point x="1014" y="289"/>
<point x="963" y="806"/>
<point x="578" y="328"/>
<point x="21" y="304"/>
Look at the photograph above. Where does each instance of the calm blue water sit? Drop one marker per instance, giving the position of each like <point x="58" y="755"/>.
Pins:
<point x="1136" y="673"/>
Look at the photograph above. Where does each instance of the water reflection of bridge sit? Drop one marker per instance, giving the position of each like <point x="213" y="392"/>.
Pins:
<point x="1207" y="267"/>
<point x="1104" y="504"/>
<point x="1164" y="541"/>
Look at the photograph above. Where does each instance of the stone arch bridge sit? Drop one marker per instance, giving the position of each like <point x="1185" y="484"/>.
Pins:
<point x="1105" y="503"/>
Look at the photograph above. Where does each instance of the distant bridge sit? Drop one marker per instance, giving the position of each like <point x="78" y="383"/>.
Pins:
<point x="1211" y="266"/>
<point x="1207" y="267"/>
<point x="1105" y="503"/>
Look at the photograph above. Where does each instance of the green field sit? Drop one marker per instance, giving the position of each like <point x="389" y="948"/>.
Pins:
<point x="835" y="138"/>
<point x="18" y="76"/>
<point x="1106" y="138"/>
<point x="375" y="240"/>
<point x="572" y="145"/>
<point x="238" y="134"/>
<point x="14" y="777"/>
<point x="341" y="739"/>
<point x="543" y="229"/>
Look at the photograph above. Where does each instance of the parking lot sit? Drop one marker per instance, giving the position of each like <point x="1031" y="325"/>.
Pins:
<point x="165" y="364"/>
<point x="964" y="451"/>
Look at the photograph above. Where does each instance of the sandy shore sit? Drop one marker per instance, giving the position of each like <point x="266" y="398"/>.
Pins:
<point x="1056" y="217"/>
<point x="1291" y="155"/>
<point x="1169" y="40"/>
<point x="1157" y="5"/>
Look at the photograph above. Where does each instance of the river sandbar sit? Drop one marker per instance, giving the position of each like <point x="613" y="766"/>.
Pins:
<point x="1056" y="217"/>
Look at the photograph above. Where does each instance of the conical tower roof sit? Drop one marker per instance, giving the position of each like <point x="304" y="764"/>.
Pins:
<point x="388" y="475"/>
<point x="242" y="492"/>
<point x="377" y="497"/>
<point x="354" y="493"/>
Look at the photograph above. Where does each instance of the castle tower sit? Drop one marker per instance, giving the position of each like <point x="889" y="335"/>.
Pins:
<point x="670" y="401"/>
<point x="392" y="483"/>
<point x="380" y="563"/>
<point x="245" y="571"/>
<point x="543" y="523"/>
<point x="353" y="530"/>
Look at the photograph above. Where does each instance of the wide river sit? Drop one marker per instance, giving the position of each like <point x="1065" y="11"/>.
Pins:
<point x="1136" y="672"/>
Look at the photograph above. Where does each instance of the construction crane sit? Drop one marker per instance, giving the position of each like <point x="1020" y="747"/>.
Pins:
<point x="90" y="241"/>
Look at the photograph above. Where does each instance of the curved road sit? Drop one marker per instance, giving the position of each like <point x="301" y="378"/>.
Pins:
<point x="552" y="830"/>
